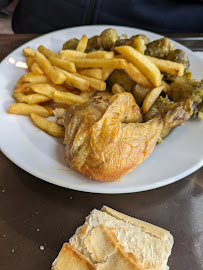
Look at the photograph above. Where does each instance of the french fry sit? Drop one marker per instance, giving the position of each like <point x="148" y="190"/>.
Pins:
<point x="148" y="68"/>
<point x="71" y="54"/>
<point x="169" y="67"/>
<point x="92" y="72"/>
<point x="88" y="94"/>
<point x="100" y="63"/>
<point x="28" y="52"/>
<point x="137" y="76"/>
<point x="46" y="52"/>
<point x="44" y="89"/>
<point x="119" y="56"/>
<point x="29" y="60"/>
<point x="35" y="98"/>
<point x="150" y="98"/>
<point x="26" y="109"/>
<point x="75" y="81"/>
<point x="67" y="98"/>
<point x="47" y="126"/>
<point x="62" y="63"/>
<point x="93" y="83"/>
<point x="106" y="73"/>
<point x="167" y="88"/>
<point x="82" y="44"/>
<point x="24" y="88"/>
<point x="33" y="78"/>
<point x="61" y="87"/>
<point x="117" y="88"/>
<point x="52" y="74"/>
<point x="50" y="110"/>
<point x="19" y="96"/>
<point x="35" y="68"/>
<point x="101" y="54"/>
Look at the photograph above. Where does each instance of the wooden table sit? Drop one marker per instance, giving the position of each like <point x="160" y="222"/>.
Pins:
<point x="34" y="213"/>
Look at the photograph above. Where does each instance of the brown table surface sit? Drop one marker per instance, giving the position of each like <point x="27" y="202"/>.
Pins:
<point x="34" y="213"/>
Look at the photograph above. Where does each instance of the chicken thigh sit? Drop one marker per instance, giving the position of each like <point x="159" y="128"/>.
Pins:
<point x="105" y="139"/>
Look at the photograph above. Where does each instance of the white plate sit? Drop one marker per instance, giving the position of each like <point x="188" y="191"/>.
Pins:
<point x="43" y="156"/>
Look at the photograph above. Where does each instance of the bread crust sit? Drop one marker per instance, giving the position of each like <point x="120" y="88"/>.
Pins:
<point x="69" y="259"/>
<point x="145" y="226"/>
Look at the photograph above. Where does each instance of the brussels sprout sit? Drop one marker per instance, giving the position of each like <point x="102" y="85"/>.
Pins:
<point x="139" y="92"/>
<point x="108" y="38"/>
<point x="120" y="77"/>
<point x="179" y="56"/>
<point x="159" y="48"/>
<point x="71" y="44"/>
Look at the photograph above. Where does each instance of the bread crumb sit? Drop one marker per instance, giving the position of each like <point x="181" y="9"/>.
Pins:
<point x="13" y="250"/>
<point x="41" y="247"/>
<point x="71" y="198"/>
<point x="3" y="190"/>
<point x="38" y="230"/>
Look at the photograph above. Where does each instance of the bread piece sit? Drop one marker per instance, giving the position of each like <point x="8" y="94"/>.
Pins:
<point x="102" y="242"/>
<point x="69" y="259"/>
<point x="150" y="244"/>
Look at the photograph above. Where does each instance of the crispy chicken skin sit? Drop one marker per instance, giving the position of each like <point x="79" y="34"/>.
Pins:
<point x="104" y="139"/>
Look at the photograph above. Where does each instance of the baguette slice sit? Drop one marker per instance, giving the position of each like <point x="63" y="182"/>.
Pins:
<point x="150" y="244"/>
<point x="69" y="258"/>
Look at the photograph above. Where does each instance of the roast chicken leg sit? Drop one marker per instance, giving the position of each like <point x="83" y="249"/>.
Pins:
<point x="105" y="139"/>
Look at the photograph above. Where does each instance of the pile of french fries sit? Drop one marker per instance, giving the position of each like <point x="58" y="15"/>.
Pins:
<point x="73" y="76"/>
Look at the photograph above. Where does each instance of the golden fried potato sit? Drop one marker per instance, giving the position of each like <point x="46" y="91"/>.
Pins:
<point x="117" y="88"/>
<point x="93" y="83"/>
<point x="169" y="67"/>
<point x="44" y="89"/>
<point x="62" y="63"/>
<point x="137" y="76"/>
<point x="88" y="94"/>
<point x="106" y="73"/>
<point x="150" y="98"/>
<point x="96" y="73"/>
<point x="35" y="98"/>
<point x="52" y="74"/>
<point x="29" y="60"/>
<point x="72" y="54"/>
<point x="46" y="52"/>
<point x="27" y="109"/>
<point x="82" y="44"/>
<point x="147" y="67"/>
<point x="67" y="98"/>
<point x="100" y="63"/>
<point x="28" y="52"/>
<point x="75" y="81"/>
<point x="33" y="78"/>
<point x="100" y="54"/>
<point x="47" y="126"/>
<point x="35" y="68"/>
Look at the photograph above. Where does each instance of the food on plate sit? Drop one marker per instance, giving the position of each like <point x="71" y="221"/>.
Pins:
<point x="151" y="98"/>
<point x="82" y="44"/>
<point x="29" y="52"/>
<point x="117" y="88"/>
<point x="113" y="97"/>
<point x="46" y="125"/>
<point x="147" y="67"/>
<point x="111" y="240"/>
<point x="105" y="139"/>
<point x="26" y="109"/>
<point x="159" y="48"/>
<point x="120" y="77"/>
